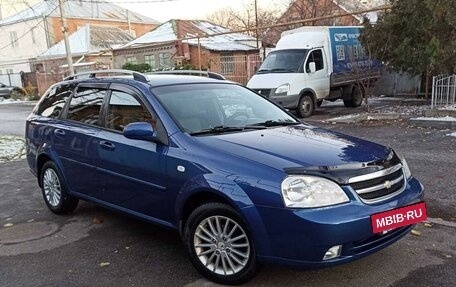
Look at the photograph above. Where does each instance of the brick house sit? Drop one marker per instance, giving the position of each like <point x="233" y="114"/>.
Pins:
<point x="31" y="32"/>
<point x="91" y="49"/>
<point x="233" y="55"/>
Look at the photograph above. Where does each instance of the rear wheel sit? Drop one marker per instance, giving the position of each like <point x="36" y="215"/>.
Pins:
<point x="357" y="96"/>
<point x="54" y="191"/>
<point x="219" y="244"/>
<point x="306" y="106"/>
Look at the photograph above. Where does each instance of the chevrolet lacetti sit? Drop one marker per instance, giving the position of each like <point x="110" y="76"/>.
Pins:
<point x="243" y="181"/>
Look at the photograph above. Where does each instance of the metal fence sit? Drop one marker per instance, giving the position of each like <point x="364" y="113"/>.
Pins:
<point x="443" y="90"/>
<point x="11" y="80"/>
<point x="237" y="68"/>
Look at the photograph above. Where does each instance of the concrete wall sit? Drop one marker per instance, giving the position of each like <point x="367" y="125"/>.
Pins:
<point x="395" y="83"/>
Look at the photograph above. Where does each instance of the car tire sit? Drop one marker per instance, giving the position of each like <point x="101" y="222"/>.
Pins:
<point x="208" y="236"/>
<point x="306" y="106"/>
<point x="55" y="193"/>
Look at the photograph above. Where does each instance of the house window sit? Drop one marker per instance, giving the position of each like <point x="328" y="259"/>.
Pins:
<point x="150" y="59"/>
<point x="13" y="39"/>
<point x="32" y="33"/>
<point x="132" y="60"/>
<point x="9" y="71"/>
<point x="164" y="60"/>
<point x="227" y="63"/>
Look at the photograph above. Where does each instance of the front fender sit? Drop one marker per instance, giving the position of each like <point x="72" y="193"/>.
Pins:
<point x="232" y="193"/>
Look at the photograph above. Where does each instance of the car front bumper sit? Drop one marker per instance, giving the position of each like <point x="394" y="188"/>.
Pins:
<point x="301" y="237"/>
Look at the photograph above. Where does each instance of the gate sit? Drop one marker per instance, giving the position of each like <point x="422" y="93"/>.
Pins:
<point x="236" y="68"/>
<point x="443" y="90"/>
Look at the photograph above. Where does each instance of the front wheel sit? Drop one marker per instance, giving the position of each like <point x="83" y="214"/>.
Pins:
<point x="219" y="244"/>
<point x="306" y="106"/>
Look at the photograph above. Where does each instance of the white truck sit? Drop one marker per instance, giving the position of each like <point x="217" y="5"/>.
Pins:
<point x="312" y="64"/>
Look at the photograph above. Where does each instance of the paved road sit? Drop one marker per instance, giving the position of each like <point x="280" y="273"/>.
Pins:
<point x="141" y="254"/>
<point x="12" y="118"/>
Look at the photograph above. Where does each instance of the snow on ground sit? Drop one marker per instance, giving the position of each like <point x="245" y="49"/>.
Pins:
<point x="11" y="101"/>
<point x="11" y="148"/>
<point x="448" y="108"/>
<point x="452" y="135"/>
<point x="403" y="110"/>
<point x="346" y="117"/>
<point x="447" y="118"/>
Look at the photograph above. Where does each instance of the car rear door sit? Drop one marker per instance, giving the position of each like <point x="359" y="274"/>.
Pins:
<point x="74" y="138"/>
<point x="132" y="172"/>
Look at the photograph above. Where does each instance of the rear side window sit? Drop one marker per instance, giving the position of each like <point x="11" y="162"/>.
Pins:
<point x="54" y="101"/>
<point x="85" y="106"/>
<point x="123" y="109"/>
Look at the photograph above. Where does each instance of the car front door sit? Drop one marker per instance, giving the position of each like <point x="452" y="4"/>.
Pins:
<point x="132" y="172"/>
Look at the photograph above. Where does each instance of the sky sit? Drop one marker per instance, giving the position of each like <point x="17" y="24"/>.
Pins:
<point x="189" y="9"/>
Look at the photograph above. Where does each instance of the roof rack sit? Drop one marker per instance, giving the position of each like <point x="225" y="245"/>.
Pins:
<point x="92" y="74"/>
<point x="191" y="73"/>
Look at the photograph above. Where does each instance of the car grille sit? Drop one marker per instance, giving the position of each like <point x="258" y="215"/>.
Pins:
<point x="263" y="92"/>
<point x="379" y="185"/>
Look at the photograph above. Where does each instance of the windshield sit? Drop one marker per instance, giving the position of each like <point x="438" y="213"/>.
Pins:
<point x="283" y="61"/>
<point x="216" y="108"/>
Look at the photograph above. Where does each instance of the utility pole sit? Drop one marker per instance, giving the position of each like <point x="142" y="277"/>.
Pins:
<point x="65" y="37"/>
<point x="256" y="24"/>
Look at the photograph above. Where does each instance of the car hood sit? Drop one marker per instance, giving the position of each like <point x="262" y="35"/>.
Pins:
<point x="297" y="146"/>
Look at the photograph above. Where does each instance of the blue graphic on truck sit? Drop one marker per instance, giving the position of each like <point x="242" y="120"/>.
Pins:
<point x="347" y="53"/>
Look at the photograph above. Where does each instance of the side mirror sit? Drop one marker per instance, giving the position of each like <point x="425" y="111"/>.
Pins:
<point x="140" y="131"/>
<point x="312" y="67"/>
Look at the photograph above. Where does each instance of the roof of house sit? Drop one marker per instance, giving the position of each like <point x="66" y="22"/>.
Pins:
<point x="178" y="29"/>
<point x="90" y="39"/>
<point x="77" y="9"/>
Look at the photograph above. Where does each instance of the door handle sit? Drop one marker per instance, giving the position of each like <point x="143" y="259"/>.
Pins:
<point x="107" y="145"/>
<point x="59" y="132"/>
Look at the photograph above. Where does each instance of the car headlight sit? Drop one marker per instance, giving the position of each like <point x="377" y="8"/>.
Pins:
<point x="407" y="172"/>
<point x="282" y="90"/>
<point x="311" y="191"/>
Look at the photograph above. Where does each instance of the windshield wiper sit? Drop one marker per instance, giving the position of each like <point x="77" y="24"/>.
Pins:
<point x="276" y="70"/>
<point x="272" y="123"/>
<point x="224" y="129"/>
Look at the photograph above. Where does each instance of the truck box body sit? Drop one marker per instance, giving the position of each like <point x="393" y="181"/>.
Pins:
<point x="338" y="57"/>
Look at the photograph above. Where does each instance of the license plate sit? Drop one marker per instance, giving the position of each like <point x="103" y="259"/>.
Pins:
<point x="383" y="222"/>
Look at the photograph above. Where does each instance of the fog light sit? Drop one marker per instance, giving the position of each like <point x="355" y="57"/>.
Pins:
<point x="333" y="252"/>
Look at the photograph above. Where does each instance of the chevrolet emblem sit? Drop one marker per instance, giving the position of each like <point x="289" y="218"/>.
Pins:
<point x="387" y="184"/>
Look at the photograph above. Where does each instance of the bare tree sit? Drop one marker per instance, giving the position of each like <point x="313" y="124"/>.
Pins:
<point x="245" y="19"/>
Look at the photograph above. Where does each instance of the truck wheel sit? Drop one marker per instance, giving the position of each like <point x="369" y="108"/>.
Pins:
<point x="306" y="106"/>
<point x="219" y="244"/>
<point x="357" y="96"/>
<point x="348" y="103"/>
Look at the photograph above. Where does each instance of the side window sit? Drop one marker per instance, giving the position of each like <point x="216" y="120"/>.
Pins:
<point x="315" y="56"/>
<point x="54" y="101"/>
<point x="123" y="109"/>
<point x="85" y="106"/>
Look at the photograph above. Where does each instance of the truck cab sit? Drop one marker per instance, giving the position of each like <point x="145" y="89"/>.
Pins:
<point x="306" y="67"/>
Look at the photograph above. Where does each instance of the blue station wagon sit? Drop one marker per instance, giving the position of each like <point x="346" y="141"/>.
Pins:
<point x="243" y="181"/>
